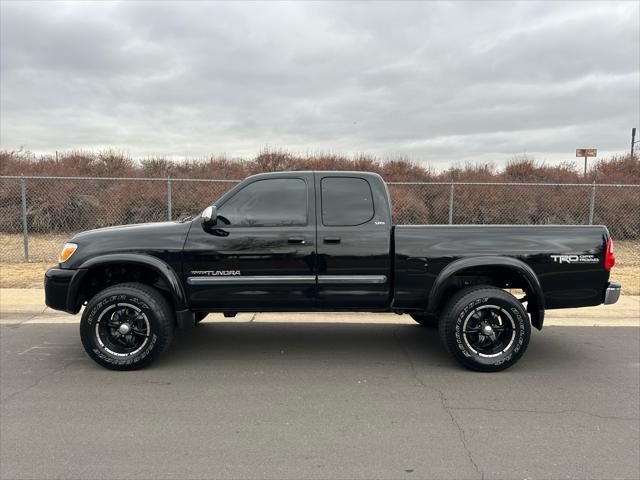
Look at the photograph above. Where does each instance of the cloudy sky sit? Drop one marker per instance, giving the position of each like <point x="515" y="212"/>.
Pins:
<point x="435" y="82"/>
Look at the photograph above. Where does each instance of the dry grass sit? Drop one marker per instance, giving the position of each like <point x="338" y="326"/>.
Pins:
<point x="627" y="269"/>
<point x="23" y="275"/>
<point x="44" y="249"/>
<point x="30" y="275"/>
<point x="41" y="247"/>
<point x="627" y="253"/>
<point x="629" y="277"/>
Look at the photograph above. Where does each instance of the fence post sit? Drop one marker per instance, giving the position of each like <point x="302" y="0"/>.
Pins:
<point x="25" y="230"/>
<point x="169" y="199"/>
<point x="592" y="204"/>
<point x="451" y="204"/>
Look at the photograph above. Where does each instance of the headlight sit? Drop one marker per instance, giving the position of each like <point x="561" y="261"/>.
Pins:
<point x="68" y="250"/>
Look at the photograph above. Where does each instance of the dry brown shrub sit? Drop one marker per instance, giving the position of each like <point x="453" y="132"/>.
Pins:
<point x="70" y="205"/>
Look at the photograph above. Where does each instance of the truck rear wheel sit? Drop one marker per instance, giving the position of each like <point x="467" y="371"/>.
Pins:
<point x="428" y="321"/>
<point x="126" y="326"/>
<point x="485" y="328"/>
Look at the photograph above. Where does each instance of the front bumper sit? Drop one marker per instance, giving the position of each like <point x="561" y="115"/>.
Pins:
<point x="61" y="289"/>
<point x="612" y="293"/>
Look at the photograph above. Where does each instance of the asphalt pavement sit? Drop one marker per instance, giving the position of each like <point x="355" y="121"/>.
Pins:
<point x="319" y="399"/>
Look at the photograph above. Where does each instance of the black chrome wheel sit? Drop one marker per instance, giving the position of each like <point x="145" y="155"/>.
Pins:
<point x="485" y="328"/>
<point x="126" y="326"/>
<point x="122" y="329"/>
<point x="489" y="331"/>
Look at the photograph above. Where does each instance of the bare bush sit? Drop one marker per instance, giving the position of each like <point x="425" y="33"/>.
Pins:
<point x="70" y="205"/>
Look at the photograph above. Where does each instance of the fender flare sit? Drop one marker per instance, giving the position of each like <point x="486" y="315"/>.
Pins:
<point x="536" y="305"/>
<point x="162" y="268"/>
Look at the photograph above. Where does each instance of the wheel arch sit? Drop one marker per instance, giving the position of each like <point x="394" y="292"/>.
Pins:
<point x="496" y="264"/>
<point x="162" y="269"/>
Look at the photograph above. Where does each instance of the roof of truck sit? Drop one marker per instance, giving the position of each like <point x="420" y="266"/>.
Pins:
<point x="337" y="173"/>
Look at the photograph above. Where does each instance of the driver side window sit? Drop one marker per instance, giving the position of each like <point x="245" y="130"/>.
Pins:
<point x="274" y="202"/>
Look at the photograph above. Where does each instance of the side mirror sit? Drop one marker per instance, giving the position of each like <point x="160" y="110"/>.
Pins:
<point x="209" y="215"/>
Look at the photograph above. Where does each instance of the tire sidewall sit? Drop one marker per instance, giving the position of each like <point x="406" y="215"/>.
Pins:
<point x="92" y="345"/>
<point x="522" y="330"/>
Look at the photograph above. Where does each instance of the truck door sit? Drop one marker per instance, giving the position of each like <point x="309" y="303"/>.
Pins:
<point x="354" y="241"/>
<point x="261" y="254"/>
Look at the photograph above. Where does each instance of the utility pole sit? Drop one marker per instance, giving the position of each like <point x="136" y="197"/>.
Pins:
<point x="633" y="139"/>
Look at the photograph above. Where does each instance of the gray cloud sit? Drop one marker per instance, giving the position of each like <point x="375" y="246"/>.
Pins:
<point x="436" y="82"/>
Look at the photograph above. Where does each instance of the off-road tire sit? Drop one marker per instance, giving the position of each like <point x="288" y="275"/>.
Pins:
<point x="427" y="321"/>
<point x="470" y="305"/>
<point x="147" y="305"/>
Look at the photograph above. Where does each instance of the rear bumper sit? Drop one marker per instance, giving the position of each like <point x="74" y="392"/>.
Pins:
<point x="612" y="293"/>
<point x="61" y="289"/>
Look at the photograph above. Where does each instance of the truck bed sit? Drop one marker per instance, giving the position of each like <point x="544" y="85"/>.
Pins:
<point x="568" y="260"/>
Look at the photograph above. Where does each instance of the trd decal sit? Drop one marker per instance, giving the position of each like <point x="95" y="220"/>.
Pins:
<point x="575" y="258"/>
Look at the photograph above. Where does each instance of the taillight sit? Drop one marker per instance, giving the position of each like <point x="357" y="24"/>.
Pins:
<point x="609" y="258"/>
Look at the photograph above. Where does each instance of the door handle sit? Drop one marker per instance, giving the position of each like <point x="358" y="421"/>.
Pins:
<point x="421" y="260"/>
<point x="417" y="259"/>
<point x="298" y="240"/>
<point x="331" y="240"/>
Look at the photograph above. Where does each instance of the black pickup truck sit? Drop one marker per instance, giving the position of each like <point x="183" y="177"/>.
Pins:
<point x="324" y="241"/>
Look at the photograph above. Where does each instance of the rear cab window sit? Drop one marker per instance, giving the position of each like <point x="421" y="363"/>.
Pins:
<point x="346" y="201"/>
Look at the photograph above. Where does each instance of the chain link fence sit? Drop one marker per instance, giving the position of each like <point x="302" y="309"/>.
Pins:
<point x="39" y="214"/>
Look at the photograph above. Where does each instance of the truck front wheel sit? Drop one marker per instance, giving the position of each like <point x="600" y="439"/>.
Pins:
<point x="485" y="328"/>
<point x="126" y="326"/>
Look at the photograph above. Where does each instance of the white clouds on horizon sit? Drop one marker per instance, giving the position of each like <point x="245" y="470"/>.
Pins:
<point x="435" y="82"/>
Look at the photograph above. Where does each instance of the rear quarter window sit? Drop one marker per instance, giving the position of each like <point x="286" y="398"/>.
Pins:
<point x="346" y="201"/>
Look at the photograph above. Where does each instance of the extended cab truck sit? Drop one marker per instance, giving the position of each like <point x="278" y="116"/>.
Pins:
<point x="309" y="241"/>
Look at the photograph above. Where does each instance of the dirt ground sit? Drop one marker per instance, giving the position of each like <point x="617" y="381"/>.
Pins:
<point x="17" y="274"/>
<point x="41" y="247"/>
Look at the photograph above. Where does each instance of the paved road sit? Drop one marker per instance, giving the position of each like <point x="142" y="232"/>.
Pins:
<point x="319" y="400"/>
